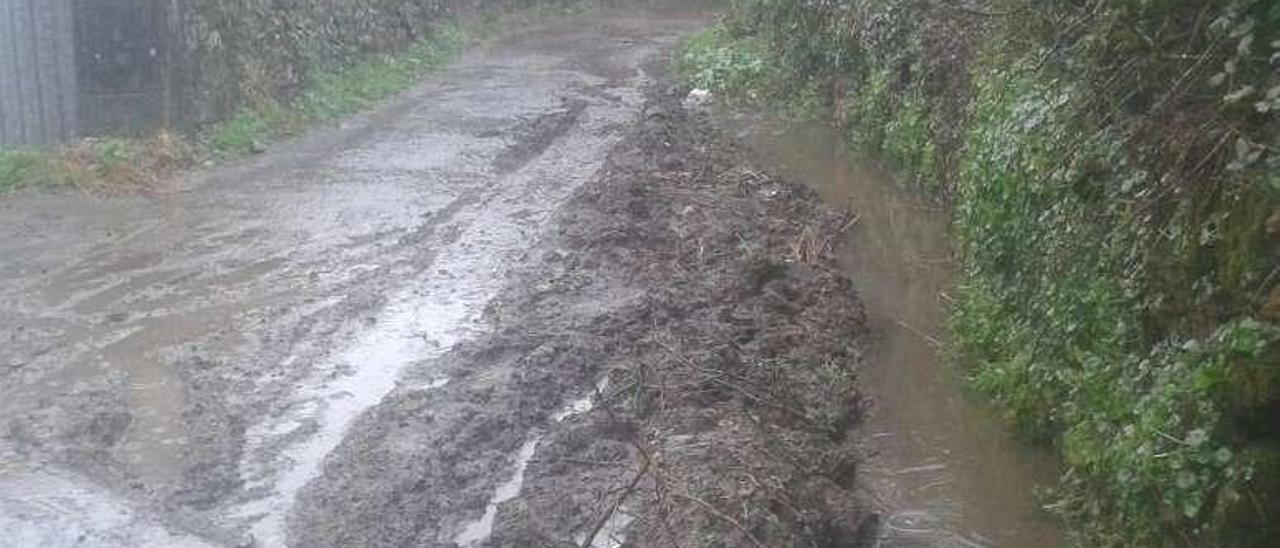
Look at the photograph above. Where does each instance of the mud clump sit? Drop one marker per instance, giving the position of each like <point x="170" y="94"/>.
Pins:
<point x="534" y="136"/>
<point x="730" y="345"/>
<point x="82" y="430"/>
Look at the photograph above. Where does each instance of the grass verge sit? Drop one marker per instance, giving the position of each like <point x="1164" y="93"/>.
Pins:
<point x="334" y="94"/>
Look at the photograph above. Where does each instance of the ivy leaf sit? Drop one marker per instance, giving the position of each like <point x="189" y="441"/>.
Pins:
<point x="1191" y="507"/>
<point x="1238" y="95"/>
<point x="1186" y="479"/>
<point x="1246" y="154"/>
<point x="1245" y="27"/>
<point x="1196" y="438"/>
<point x="1245" y="46"/>
<point x="1220" y="25"/>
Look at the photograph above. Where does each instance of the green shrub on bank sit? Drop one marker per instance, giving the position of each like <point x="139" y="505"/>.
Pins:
<point x="1114" y="172"/>
<point x="335" y="93"/>
<point x="1049" y="316"/>
<point x="908" y="140"/>
<point x="716" y="61"/>
<point x="741" y="68"/>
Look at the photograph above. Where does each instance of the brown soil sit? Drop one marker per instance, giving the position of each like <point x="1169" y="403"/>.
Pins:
<point x="706" y="292"/>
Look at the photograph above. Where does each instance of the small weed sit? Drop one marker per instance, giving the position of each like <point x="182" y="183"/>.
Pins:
<point x="732" y="66"/>
<point x="244" y="133"/>
<point x="16" y="166"/>
<point x="908" y="141"/>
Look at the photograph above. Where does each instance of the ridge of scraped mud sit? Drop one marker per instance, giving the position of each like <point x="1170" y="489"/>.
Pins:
<point x="706" y="292"/>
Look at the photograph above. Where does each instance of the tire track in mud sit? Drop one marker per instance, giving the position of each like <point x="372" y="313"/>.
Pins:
<point x="310" y="283"/>
<point x="38" y="501"/>
<point x="706" y="296"/>
<point x="436" y="312"/>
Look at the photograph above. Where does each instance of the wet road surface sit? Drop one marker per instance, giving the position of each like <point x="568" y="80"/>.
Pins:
<point x="177" y="368"/>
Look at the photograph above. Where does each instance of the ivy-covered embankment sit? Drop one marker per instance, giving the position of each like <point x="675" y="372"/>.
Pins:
<point x="325" y="59"/>
<point x="1114" y="172"/>
<point x="265" y="69"/>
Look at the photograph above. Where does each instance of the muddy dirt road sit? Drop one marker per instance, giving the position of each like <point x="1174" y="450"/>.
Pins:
<point x="186" y="369"/>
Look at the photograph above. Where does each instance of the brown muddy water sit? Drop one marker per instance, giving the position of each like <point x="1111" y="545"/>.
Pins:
<point x="946" y="471"/>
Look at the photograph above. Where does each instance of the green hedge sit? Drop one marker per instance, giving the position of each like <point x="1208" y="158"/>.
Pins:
<point x="1114" y="171"/>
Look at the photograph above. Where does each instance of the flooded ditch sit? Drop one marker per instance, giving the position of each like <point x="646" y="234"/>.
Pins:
<point x="946" y="471"/>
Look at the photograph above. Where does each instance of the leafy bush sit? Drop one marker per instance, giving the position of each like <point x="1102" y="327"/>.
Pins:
<point x="717" y="61"/>
<point x="1048" y="317"/>
<point x="334" y="93"/>
<point x="908" y="140"/>
<point x="1115" y="172"/>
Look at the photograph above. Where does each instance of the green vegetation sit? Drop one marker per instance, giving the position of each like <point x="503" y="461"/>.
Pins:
<point x="108" y="164"/>
<point x="15" y="166"/>
<point x="1114" y="168"/>
<point x="335" y="93"/>
<point x="716" y="60"/>
<point x="742" y="68"/>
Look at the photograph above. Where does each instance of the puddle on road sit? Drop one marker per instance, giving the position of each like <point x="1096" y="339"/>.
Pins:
<point x="478" y="531"/>
<point x="365" y="373"/>
<point x="439" y="309"/>
<point x="59" y="510"/>
<point x="947" y="471"/>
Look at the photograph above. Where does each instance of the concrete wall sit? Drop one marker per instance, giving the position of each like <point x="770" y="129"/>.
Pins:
<point x="38" y="103"/>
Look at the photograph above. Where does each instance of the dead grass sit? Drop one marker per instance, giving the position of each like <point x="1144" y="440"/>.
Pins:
<point x="101" y="165"/>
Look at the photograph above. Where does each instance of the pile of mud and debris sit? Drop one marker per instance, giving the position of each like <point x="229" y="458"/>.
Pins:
<point x="703" y="294"/>
<point x="693" y="303"/>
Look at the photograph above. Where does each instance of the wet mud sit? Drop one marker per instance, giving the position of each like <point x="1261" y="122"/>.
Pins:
<point x="195" y="362"/>
<point x="535" y="302"/>
<point x="675" y="365"/>
<point x="731" y="346"/>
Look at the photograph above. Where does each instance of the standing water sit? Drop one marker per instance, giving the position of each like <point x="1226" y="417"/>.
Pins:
<point x="947" y="472"/>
